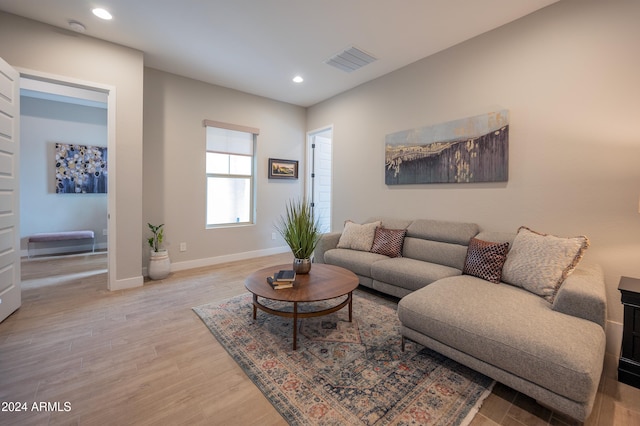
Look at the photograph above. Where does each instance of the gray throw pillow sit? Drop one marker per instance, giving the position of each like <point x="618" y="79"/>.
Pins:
<point x="540" y="263"/>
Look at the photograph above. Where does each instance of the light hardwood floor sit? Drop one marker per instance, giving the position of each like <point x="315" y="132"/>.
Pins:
<point x="141" y="356"/>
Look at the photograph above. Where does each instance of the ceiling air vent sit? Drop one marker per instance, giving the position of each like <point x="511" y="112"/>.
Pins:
<point x="350" y="60"/>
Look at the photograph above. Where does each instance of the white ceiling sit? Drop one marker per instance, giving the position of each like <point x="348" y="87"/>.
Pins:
<point x="258" y="46"/>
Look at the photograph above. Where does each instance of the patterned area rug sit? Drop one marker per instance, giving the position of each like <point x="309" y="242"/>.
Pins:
<point x="345" y="373"/>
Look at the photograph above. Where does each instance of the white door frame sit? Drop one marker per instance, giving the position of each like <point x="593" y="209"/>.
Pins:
<point x="309" y="166"/>
<point x="111" y="149"/>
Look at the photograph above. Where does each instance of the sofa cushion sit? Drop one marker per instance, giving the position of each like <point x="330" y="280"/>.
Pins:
<point x="447" y="254"/>
<point x="485" y="259"/>
<point x="359" y="262"/>
<point x="511" y="329"/>
<point x="443" y="231"/>
<point x="583" y="295"/>
<point x="438" y="241"/>
<point x="408" y="273"/>
<point x="358" y="237"/>
<point x="388" y="241"/>
<point x="540" y="262"/>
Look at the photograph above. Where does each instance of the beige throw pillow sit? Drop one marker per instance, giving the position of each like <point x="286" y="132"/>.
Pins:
<point x="540" y="263"/>
<point x="358" y="237"/>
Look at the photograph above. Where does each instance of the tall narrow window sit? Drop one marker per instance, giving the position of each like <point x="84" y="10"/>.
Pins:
<point x="230" y="166"/>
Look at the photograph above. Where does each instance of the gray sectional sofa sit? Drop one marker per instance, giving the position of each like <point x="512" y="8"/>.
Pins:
<point x="549" y="346"/>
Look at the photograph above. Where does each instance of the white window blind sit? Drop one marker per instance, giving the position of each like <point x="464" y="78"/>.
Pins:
<point x="229" y="141"/>
<point x="230" y="170"/>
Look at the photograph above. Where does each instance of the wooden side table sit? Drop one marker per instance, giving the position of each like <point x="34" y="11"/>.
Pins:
<point x="629" y="364"/>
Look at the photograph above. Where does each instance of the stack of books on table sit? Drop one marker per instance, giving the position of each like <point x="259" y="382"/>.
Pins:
<point x="282" y="279"/>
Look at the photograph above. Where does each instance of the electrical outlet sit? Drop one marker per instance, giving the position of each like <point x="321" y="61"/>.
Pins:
<point x="105" y="232"/>
<point x="183" y="246"/>
<point x="273" y="235"/>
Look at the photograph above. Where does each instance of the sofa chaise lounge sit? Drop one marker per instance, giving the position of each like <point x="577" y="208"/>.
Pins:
<point x="476" y="297"/>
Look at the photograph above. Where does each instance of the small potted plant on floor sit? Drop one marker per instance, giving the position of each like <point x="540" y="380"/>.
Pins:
<point x="159" y="262"/>
<point x="301" y="233"/>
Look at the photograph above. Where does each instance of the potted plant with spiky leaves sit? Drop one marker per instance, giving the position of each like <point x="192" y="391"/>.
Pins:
<point x="301" y="233"/>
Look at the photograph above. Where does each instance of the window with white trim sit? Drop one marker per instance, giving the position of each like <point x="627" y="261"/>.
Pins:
<point x="230" y="168"/>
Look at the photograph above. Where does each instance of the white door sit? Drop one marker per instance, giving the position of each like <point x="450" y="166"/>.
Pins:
<point x="321" y="179"/>
<point x="9" y="201"/>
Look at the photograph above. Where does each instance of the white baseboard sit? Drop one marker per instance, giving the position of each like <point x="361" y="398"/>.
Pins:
<point x="126" y="283"/>
<point x="199" y="263"/>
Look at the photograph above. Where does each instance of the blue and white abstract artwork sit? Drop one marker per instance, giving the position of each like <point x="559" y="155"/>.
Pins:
<point x="80" y="169"/>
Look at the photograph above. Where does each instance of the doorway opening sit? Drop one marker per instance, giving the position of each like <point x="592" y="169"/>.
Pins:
<point x="58" y="112"/>
<point x="320" y="160"/>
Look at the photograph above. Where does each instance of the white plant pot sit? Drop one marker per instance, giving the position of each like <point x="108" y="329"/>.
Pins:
<point x="159" y="265"/>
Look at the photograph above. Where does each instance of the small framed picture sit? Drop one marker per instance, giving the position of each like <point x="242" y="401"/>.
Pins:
<point x="283" y="169"/>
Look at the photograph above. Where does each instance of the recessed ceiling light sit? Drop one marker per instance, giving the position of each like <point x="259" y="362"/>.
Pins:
<point x="102" y="13"/>
<point x="298" y="79"/>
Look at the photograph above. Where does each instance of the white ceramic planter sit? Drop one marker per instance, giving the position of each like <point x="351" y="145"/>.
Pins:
<point x="159" y="265"/>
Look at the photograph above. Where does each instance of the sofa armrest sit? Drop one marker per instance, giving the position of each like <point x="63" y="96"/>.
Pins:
<point x="327" y="242"/>
<point x="583" y="295"/>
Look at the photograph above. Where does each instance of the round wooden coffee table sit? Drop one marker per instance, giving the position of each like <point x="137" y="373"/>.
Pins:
<point x="323" y="282"/>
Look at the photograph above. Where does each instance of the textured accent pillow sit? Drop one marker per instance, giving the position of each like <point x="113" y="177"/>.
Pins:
<point x="358" y="237"/>
<point x="388" y="241"/>
<point x="540" y="263"/>
<point x="485" y="259"/>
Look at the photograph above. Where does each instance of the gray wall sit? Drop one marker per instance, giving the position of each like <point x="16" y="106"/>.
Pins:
<point x="174" y="166"/>
<point x="569" y="76"/>
<point x="42" y="124"/>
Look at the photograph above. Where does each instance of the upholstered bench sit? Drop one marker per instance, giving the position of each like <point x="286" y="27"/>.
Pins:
<point x="49" y="237"/>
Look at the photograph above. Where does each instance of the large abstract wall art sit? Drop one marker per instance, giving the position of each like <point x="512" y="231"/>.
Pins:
<point x="473" y="149"/>
<point x="81" y="169"/>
